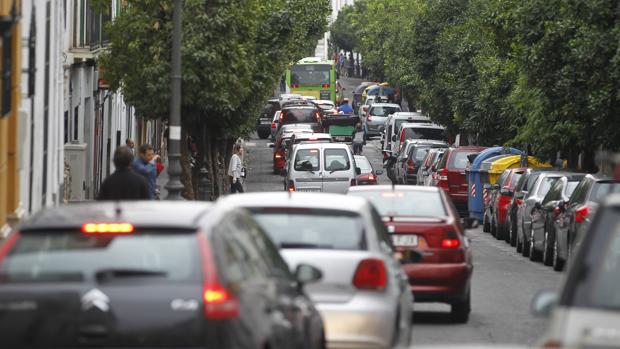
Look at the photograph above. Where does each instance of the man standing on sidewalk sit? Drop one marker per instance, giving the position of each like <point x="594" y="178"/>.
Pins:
<point x="144" y="165"/>
<point x="124" y="184"/>
<point x="234" y="170"/>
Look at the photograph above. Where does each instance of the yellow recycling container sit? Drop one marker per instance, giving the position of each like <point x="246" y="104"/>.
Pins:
<point x="514" y="161"/>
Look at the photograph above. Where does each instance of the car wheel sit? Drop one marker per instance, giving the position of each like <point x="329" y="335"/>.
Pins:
<point x="493" y="228"/>
<point x="558" y="263"/>
<point x="534" y="255"/>
<point x="263" y="135"/>
<point x="547" y="252"/>
<point x="518" y="243"/>
<point x="486" y="227"/>
<point x="513" y="234"/>
<point x="460" y="310"/>
<point x="525" y="245"/>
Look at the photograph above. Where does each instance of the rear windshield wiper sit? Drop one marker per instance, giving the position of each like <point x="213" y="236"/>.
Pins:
<point x="303" y="245"/>
<point x="107" y="274"/>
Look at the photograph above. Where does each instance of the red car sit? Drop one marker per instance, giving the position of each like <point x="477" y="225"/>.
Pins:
<point x="424" y="219"/>
<point x="279" y="147"/>
<point x="451" y="175"/>
<point x="501" y="200"/>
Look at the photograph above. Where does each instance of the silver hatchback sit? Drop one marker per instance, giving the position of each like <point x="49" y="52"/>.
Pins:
<point x="321" y="167"/>
<point x="364" y="296"/>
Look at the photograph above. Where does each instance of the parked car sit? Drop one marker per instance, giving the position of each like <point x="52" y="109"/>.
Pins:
<point x="321" y="167"/>
<point x="357" y="94"/>
<point x="374" y="120"/>
<point x="392" y="126"/>
<point x="451" y="175"/>
<point x="417" y="131"/>
<point x="275" y="125"/>
<point x="363" y="108"/>
<point x="543" y="181"/>
<point x="368" y="175"/>
<point x="576" y="215"/>
<point x="397" y="161"/>
<point x="503" y="191"/>
<point x="363" y="296"/>
<point x="425" y="169"/>
<point x="301" y="113"/>
<point x="151" y="274"/>
<point x="523" y="186"/>
<point x="424" y="219"/>
<point x="264" y="122"/>
<point x="542" y="233"/>
<point x="585" y="312"/>
<point x="432" y="171"/>
<point x="282" y="138"/>
<point x="407" y="168"/>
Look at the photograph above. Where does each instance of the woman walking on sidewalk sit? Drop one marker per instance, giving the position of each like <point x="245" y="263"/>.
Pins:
<point x="234" y="170"/>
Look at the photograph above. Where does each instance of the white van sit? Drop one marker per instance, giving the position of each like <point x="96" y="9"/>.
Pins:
<point x="321" y="167"/>
<point x="392" y="125"/>
<point x="417" y="131"/>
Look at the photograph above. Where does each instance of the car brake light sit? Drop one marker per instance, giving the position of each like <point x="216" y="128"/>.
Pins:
<point x="370" y="274"/>
<point x="353" y="182"/>
<point x="442" y="175"/>
<point x="450" y="240"/>
<point x="291" y="186"/>
<point x="107" y="228"/>
<point x="295" y="86"/>
<point x="581" y="213"/>
<point x="273" y="125"/>
<point x="410" y="166"/>
<point x="371" y="177"/>
<point x="325" y="86"/>
<point x="402" y="136"/>
<point x="552" y="344"/>
<point x="278" y="154"/>
<point x="219" y="303"/>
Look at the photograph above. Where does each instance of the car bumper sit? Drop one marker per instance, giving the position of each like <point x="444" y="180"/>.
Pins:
<point x="363" y="322"/>
<point x="437" y="282"/>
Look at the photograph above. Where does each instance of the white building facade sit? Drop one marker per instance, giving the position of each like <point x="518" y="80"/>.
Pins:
<point x="322" y="47"/>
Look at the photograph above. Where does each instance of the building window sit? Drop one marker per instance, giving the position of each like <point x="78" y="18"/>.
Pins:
<point x="6" y="64"/>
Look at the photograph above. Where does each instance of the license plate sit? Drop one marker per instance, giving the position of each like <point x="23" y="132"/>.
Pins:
<point x="265" y="122"/>
<point x="309" y="189"/>
<point x="405" y="240"/>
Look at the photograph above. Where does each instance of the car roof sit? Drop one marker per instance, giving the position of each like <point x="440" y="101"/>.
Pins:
<point x="323" y="101"/>
<point x="374" y="188"/>
<point x="409" y="115"/>
<point x="385" y="105"/>
<point x="287" y="199"/>
<point x="426" y="142"/>
<point x="612" y="200"/>
<point x="153" y="214"/>
<point x="420" y="125"/>
<point x="290" y="127"/>
<point x="306" y="135"/>
<point x="322" y="146"/>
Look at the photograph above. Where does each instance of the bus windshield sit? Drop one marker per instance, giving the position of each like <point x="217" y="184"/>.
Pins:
<point x="310" y="74"/>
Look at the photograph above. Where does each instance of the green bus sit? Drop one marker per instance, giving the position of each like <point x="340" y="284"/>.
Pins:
<point x="314" y="77"/>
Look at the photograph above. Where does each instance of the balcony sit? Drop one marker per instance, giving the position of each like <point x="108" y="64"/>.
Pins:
<point x="89" y="35"/>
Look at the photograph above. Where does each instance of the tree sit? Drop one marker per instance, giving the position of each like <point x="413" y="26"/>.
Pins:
<point x="233" y="53"/>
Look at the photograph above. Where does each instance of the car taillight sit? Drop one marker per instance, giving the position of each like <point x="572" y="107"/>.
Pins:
<point x="274" y="125"/>
<point x="581" y="213"/>
<point x="370" y="275"/>
<point x="402" y="136"/>
<point x="353" y="182"/>
<point x="7" y="246"/>
<point x="107" y="228"/>
<point x="551" y="344"/>
<point x="291" y="186"/>
<point x="371" y="178"/>
<point x="450" y="240"/>
<point x="295" y="86"/>
<point x="325" y="86"/>
<point x="278" y="154"/>
<point x="442" y="175"/>
<point x="519" y="202"/>
<point x="219" y="302"/>
<point x="410" y="166"/>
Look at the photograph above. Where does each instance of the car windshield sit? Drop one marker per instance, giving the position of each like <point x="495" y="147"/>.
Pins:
<point x="460" y="161"/>
<point x="320" y="229"/>
<point x="336" y="160"/>
<point x="383" y="110"/>
<point x="56" y="257"/>
<point x="299" y="115"/>
<point x="310" y="74"/>
<point x="405" y="203"/>
<point x="437" y="134"/>
<point x="600" y="190"/>
<point x="307" y="160"/>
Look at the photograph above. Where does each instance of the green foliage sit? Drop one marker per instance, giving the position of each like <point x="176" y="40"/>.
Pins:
<point x="544" y="72"/>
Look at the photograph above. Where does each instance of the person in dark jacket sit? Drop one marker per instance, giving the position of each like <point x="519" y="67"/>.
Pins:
<point x="124" y="183"/>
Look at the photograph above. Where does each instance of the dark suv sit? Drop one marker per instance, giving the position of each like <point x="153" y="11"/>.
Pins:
<point x="301" y="113"/>
<point x="151" y="274"/>
<point x="263" y="125"/>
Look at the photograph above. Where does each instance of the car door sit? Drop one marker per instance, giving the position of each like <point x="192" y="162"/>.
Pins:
<point x="307" y="169"/>
<point x="338" y="169"/>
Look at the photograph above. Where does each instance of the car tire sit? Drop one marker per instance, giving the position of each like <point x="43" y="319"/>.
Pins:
<point x="534" y="255"/>
<point x="486" y="227"/>
<point x="558" y="263"/>
<point x="519" y="244"/>
<point x="493" y="228"/>
<point x="547" y="257"/>
<point x="525" y="245"/>
<point x="460" y="310"/>
<point x="264" y="135"/>
<point x="512" y="232"/>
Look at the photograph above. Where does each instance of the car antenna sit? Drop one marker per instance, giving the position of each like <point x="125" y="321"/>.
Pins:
<point x="118" y="210"/>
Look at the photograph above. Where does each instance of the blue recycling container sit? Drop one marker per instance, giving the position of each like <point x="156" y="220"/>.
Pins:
<point x="475" y="203"/>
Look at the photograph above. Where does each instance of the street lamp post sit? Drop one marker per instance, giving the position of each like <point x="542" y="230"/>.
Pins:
<point x="174" y="185"/>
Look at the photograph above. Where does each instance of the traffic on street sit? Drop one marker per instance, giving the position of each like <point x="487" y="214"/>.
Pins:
<point x="310" y="174"/>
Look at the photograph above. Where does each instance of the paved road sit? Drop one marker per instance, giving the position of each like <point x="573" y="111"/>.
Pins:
<point x="503" y="283"/>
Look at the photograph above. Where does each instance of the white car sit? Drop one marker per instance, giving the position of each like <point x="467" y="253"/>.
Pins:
<point x="321" y="167"/>
<point x="416" y="130"/>
<point x="364" y="296"/>
<point x="374" y="120"/>
<point x="392" y="125"/>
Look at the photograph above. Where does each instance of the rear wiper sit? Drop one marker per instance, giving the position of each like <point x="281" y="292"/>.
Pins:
<point x="106" y="274"/>
<point x="303" y="245"/>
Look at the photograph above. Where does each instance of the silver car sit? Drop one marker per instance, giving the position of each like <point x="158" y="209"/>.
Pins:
<point x="374" y="121"/>
<point x="586" y="312"/>
<point x="364" y="296"/>
<point x="321" y="167"/>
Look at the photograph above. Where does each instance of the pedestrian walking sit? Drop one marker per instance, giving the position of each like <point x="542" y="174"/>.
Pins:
<point x="124" y="183"/>
<point x="359" y="139"/>
<point x="234" y="170"/>
<point x="144" y="165"/>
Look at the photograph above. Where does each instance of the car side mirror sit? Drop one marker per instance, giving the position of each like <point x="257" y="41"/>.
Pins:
<point x="271" y="145"/>
<point x="284" y="172"/>
<point x="358" y="171"/>
<point x="394" y="138"/>
<point x="495" y="186"/>
<point x="409" y="256"/>
<point x="305" y="274"/>
<point x="544" y="302"/>
<point x="379" y="172"/>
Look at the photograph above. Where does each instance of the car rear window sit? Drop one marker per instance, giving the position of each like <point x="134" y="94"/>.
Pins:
<point x="546" y="184"/>
<point x="419" y="153"/>
<point x="570" y="187"/>
<point x="301" y="115"/>
<point x="336" y="160"/>
<point x="383" y="110"/>
<point x="58" y="256"/>
<point x="320" y="229"/>
<point x="405" y="203"/>
<point x="600" y="190"/>
<point x="436" y="134"/>
<point x="307" y="159"/>
<point x="459" y="159"/>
